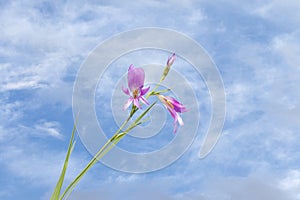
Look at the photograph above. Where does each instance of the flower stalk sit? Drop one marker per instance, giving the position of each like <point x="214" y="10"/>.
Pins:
<point x="104" y="150"/>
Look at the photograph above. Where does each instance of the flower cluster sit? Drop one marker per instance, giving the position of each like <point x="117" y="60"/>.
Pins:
<point x="137" y="94"/>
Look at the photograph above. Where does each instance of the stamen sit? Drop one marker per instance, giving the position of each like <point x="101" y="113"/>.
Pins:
<point x="135" y="93"/>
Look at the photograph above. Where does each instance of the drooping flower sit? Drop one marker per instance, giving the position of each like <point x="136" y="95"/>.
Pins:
<point x="170" y="62"/>
<point x="136" y="78"/>
<point x="174" y="107"/>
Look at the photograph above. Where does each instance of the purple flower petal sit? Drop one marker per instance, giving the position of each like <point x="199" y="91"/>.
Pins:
<point x="174" y="107"/>
<point x="125" y="90"/>
<point x="144" y="90"/>
<point x="173" y="113"/>
<point x="178" y="107"/>
<point x="175" y="117"/>
<point x="136" y="78"/>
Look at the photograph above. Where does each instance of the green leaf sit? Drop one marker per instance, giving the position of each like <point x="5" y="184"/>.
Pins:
<point x="71" y="186"/>
<point x="57" y="189"/>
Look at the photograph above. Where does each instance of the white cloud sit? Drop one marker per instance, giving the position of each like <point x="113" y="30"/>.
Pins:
<point x="50" y="128"/>
<point x="20" y="85"/>
<point x="10" y="111"/>
<point x="17" y="78"/>
<point x="291" y="183"/>
<point x="276" y="11"/>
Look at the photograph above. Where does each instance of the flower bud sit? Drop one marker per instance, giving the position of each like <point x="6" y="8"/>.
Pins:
<point x="170" y="62"/>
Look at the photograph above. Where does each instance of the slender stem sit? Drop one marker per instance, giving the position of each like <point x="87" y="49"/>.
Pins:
<point x="96" y="157"/>
<point x="132" y="126"/>
<point x="106" y="148"/>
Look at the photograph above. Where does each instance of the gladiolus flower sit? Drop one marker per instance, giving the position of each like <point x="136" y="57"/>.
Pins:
<point x="136" y="78"/>
<point x="174" y="107"/>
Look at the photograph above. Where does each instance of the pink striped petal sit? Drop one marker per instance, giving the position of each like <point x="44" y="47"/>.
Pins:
<point x="136" y="103"/>
<point x="144" y="100"/>
<point x="127" y="104"/>
<point x="178" y="107"/>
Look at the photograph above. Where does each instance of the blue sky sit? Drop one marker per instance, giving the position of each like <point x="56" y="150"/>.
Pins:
<point x="256" y="47"/>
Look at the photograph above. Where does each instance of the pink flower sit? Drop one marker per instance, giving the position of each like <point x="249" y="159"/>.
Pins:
<point x="136" y="78"/>
<point x="174" y="107"/>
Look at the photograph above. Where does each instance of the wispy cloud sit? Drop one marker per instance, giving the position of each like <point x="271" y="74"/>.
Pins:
<point x="50" y="128"/>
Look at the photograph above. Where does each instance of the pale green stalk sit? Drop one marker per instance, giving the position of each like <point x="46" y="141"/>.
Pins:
<point x="153" y="91"/>
<point x="158" y="84"/>
<point x="106" y="148"/>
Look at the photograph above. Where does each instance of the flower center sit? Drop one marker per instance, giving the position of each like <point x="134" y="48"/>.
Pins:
<point x="135" y="93"/>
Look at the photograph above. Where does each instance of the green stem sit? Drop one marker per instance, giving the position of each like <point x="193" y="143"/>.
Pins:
<point x="96" y="157"/>
<point x="113" y="140"/>
<point x="71" y="186"/>
<point x="153" y="90"/>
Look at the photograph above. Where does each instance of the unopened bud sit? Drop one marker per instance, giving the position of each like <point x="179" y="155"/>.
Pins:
<point x="170" y="62"/>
